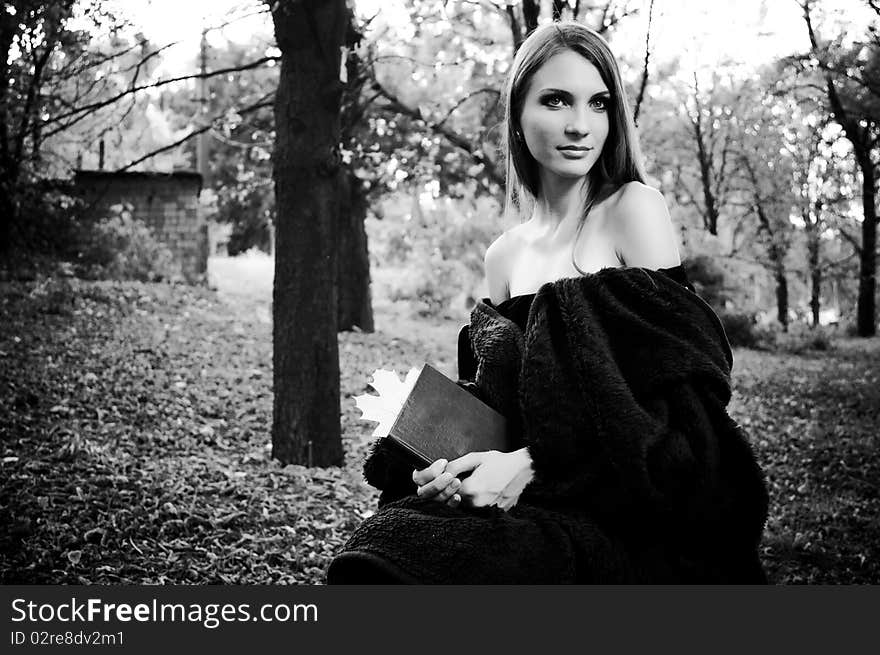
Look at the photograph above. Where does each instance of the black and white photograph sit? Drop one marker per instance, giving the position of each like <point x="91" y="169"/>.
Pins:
<point x="439" y="292"/>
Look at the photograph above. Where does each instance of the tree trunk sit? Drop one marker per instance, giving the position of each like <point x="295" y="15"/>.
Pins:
<point x="643" y="84"/>
<point x="776" y="253"/>
<point x="866" y="313"/>
<point x="710" y="215"/>
<point x="710" y="212"/>
<point x="8" y="217"/>
<point x="355" y="301"/>
<point x="781" y="289"/>
<point x="815" y="274"/>
<point x="861" y="141"/>
<point x="355" y="307"/>
<point x="7" y="176"/>
<point x="531" y="12"/>
<point x="306" y="427"/>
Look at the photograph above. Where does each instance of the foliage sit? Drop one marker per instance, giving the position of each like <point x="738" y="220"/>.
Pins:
<point x="438" y="250"/>
<point x="707" y="277"/>
<point x="135" y="429"/>
<point x="240" y="148"/>
<point x="76" y="97"/>
<point x="50" y="219"/>
<point x="687" y="134"/>
<point x="51" y="79"/>
<point x="752" y="154"/>
<point x="799" y="339"/>
<point x="847" y="70"/>
<point x="741" y="329"/>
<point x="430" y="282"/>
<point x="122" y="247"/>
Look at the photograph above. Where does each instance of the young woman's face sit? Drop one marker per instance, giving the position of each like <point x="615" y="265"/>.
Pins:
<point x="565" y="115"/>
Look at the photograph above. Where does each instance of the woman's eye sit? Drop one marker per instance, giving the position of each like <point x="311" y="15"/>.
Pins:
<point x="553" y="101"/>
<point x="600" y="104"/>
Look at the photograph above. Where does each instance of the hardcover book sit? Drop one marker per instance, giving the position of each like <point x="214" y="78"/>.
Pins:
<point x="437" y="419"/>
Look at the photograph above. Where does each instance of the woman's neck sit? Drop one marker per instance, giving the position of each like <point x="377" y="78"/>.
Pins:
<point x="560" y="201"/>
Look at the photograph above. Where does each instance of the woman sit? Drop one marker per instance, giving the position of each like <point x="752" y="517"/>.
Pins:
<point x="613" y="375"/>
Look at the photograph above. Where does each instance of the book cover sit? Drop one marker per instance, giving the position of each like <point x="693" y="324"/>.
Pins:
<point x="436" y="419"/>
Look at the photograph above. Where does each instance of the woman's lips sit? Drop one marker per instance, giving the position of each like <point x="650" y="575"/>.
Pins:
<point x="573" y="153"/>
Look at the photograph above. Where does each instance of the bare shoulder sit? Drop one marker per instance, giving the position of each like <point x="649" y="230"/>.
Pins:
<point x="634" y="194"/>
<point x="497" y="266"/>
<point x="643" y="231"/>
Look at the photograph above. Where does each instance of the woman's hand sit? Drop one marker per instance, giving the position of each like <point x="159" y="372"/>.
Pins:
<point x="497" y="478"/>
<point x="437" y="483"/>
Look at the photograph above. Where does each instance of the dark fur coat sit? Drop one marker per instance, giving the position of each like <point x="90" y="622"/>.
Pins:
<point x="618" y="387"/>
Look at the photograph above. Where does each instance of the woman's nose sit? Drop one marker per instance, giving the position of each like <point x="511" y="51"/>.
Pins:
<point x="577" y="125"/>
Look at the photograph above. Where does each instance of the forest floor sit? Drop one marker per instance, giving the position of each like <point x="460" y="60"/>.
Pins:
<point x="135" y="440"/>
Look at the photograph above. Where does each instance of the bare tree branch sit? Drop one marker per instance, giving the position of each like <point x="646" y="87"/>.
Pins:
<point x="515" y="29"/>
<point x="477" y="154"/>
<point x="704" y="159"/>
<point x="556" y="9"/>
<point x="86" y="60"/>
<point x="85" y="109"/>
<point x="854" y="242"/>
<point x="263" y="102"/>
<point x="463" y="100"/>
<point x="425" y="64"/>
<point x="837" y="263"/>
<point x="36" y="77"/>
<point x="610" y="17"/>
<point x="644" y="81"/>
<point x="531" y="10"/>
<point x="842" y="70"/>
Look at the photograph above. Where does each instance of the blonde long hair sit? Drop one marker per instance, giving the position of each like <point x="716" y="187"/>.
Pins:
<point x="620" y="160"/>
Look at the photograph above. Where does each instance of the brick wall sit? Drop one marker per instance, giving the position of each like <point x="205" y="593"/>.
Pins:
<point x="167" y="202"/>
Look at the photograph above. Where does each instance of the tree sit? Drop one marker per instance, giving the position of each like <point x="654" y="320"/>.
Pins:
<point x="689" y="138"/>
<point x="711" y="129"/>
<point x="851" y="79"/>
<point x="310" y="35"/>
<point x="67" y="77"/>
<point x="354" y="305"/>
<point x="240" y="146"/>
<point x="33" y="30"/>
<point x="816" y="187"/>
<point x="766" y="185"/>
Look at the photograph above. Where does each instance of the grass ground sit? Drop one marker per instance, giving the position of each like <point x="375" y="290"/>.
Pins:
<point x="134" y="439"/>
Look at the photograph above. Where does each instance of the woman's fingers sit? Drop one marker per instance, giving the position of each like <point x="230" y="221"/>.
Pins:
<point x="437" y="486"/>
<point x="426" y="475"/>
<point x="439" y="481"/>
<point x="465" y="463"/>
<point x="450" y="489"/>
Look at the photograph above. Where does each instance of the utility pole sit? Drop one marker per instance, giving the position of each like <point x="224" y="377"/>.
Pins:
<point x="202" y="143"/>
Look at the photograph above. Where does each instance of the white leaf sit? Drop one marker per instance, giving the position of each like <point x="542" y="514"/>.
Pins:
<point x="386" y="383"/>
<point x="385" y="407"/>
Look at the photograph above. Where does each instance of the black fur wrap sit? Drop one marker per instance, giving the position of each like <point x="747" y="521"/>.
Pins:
<point x="618" y="387"/>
